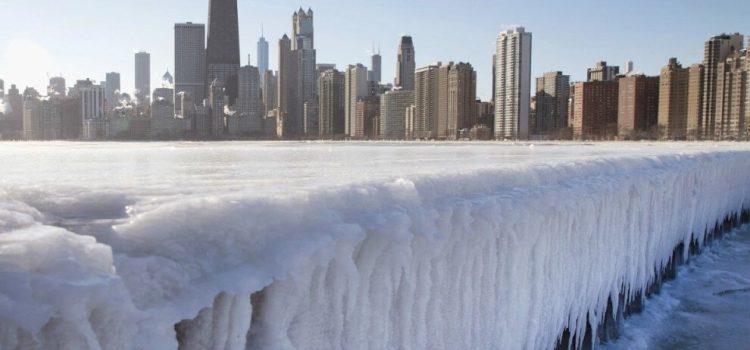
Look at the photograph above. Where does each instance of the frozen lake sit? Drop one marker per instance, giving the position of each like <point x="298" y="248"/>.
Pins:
<point x="353" y="245"/>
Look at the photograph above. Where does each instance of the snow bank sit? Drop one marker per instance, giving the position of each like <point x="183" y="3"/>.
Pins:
<point x="506" y="257"/>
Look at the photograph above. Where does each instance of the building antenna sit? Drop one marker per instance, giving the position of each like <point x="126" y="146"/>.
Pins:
<point x="262" y="30"/>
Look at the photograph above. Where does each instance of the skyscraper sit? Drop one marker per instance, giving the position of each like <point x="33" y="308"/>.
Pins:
<point x="112" y="89"/>
<point x="513" y="84"/>
<point x="552" y="94"/>
<point x="716" y="51"/>
<point x="304" y="43"/>
<point x="2" y="88"/>
<point x="331" y="105"/>
<point x="376" y="64"/>
<point x="56" y="87"/>
<point x="629" y="68"/>
<point x="190" y="61"/>
<point x="297" y="78"/>
<point x="406" y="64"/>
<point x="143" y="77"/>
<point x="356" y="88"/>
<point x="223" y="46"/>
<point x="262" y="55"/>
<point x="289" y="110"/>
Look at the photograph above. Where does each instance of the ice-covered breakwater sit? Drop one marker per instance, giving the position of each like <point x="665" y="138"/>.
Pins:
<point x="380" y="246"/>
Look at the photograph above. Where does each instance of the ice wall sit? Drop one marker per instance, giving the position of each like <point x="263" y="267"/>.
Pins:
<point x="498" y="259"/>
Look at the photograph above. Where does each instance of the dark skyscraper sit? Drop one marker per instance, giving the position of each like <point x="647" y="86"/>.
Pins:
<point x="223" y="47"/>
<point x="376" y="65"/>
<point x="406" y="64"/>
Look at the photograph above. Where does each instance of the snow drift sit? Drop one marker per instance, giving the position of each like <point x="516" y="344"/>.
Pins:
<point x="498" y="257"/>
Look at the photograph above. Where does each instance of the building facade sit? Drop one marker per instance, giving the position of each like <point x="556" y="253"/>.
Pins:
<point x="332" y="105"/>
<point x="190" y="61"/>
<point x="716" y="51"/>
<point x="552" y="94"/>
<point x="393" y="107"/>
<point x="638" y="107"/>
<point x="354" y="90"/>
<point x="595" y="110"/>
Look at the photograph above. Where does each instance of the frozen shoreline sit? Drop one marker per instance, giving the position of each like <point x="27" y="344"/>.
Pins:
<point x="495" y="255"/>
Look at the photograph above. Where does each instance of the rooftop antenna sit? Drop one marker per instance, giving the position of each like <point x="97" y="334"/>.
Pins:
<point x="262" y="30"/>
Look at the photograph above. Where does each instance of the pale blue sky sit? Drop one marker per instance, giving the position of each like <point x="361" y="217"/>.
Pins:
<point x="84" y="38"/>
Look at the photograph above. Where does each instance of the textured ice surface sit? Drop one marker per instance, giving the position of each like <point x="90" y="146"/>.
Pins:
<point x="708" y="307"/>
<point x="353" y="245"/>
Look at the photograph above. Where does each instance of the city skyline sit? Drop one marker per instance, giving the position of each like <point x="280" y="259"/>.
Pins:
<point x="27" y="58"/>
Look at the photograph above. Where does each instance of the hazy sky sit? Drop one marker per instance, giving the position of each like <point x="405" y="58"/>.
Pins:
<point x="85" y="38"/>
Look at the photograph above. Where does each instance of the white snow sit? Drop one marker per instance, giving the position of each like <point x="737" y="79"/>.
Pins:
<point x="354" y="245"/>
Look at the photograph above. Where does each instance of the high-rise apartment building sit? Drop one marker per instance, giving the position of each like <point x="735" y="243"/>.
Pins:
<point x="552" y="94"/>
<point x="513" y="84"/>
<point x="716" y="51"/>
<point x="406" y="64"/>
<point x="393" y="107"/>
<point x="733" y="98"/>
<point x="638" y="107"/>
<point x="190" y="61"/>
<point x="427" y="103"/>
<point x="112" y="91"/>
<point x="673" y="101"/>
<point x="460" y="100"/>
<point x="223" y="46"/>
<point x="595" y="110"/>
<point x="331" y="104"/>
<point x="602" y="72"/>
<point x="354" y="90"/>
<point x="143" y="77"/>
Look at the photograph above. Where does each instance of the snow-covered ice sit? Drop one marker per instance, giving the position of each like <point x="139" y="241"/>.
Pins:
<point x="341" y="245"/>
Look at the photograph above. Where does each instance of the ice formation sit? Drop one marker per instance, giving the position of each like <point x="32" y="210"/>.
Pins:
<point x="353" y="246"/>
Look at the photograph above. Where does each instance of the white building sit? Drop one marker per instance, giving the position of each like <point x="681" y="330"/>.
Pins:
<point x="354" y="89"/>
<point x="513" y="84"/>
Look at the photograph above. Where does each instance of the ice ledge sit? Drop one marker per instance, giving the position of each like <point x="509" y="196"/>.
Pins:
<point x="485" y="260"/>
